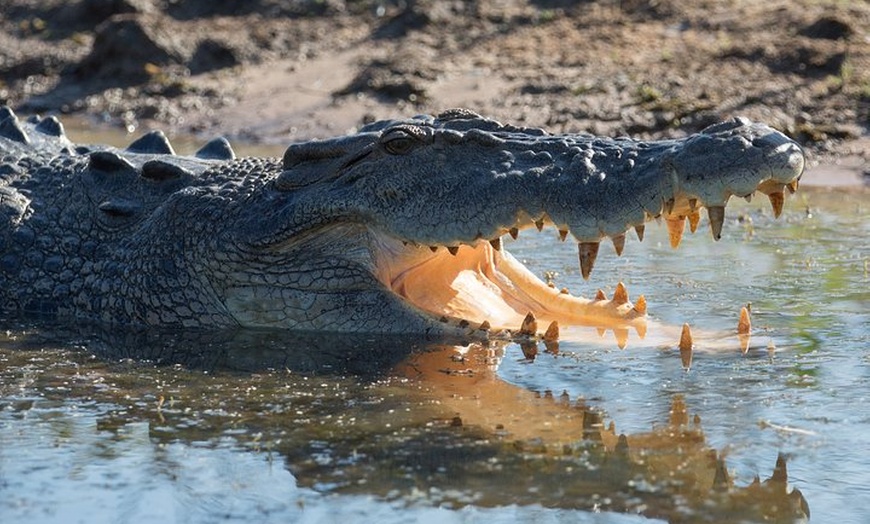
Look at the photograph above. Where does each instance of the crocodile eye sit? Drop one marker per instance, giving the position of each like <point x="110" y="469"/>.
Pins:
<point x="399" y="141"/>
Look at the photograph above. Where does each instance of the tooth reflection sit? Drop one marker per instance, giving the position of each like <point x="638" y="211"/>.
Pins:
<point x="621" y="335"/>
<point x="744" y="327"/>
<point x="552" y="333"/>
<point x="686" y="346"/>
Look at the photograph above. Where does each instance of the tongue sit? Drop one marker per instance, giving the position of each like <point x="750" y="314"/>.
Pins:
<point x="481" y="284"/>
<point x="466" y="285"/>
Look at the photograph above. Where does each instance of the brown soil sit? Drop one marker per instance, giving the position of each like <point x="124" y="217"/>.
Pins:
<point x="283" y="70"/>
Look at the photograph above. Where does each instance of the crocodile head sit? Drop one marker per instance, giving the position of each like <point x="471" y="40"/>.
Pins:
<point x="396" y="228"/>
<point x="422" y="204"/>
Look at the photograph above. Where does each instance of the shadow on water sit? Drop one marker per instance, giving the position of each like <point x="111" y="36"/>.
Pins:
<point x="404" y="421"/>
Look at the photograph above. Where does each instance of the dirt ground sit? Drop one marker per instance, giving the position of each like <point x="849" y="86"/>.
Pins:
<point x="277" y="71"/>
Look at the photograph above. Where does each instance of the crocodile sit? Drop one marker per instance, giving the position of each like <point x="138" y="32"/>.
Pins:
<point x="396" y="228"/>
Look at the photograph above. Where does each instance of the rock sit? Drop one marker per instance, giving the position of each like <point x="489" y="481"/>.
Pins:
<point x="126" y="49"/>
<point x="828" y="28"/>
<point x="211" y="55"/>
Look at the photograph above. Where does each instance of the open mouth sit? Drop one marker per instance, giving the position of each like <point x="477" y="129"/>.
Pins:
<point x="483" y="284"/>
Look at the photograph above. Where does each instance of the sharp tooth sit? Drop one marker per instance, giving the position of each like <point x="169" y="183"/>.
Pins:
<point x="640" y="305"/>
<point x="693" y="204"/>
<point x="601" y="331"/>
<point x="563" y="234"/>
<point x="552" y="347"/>
<point x="599" y="295"/>
<point x="433" y="248"/>
<point x="618" y="244"/>
<point x="748" y="198"/>
<point x="686" y="346"/>
<point x="744" y="340"/>
<point x="641" y="329"/>
<point x="792" y="186"/>
<point x="669" y="206"/>
<point x="675" y="229"/>
<point x="588" y="251"/>
<point x="744" y="325"/>
<point x="453" y="250"/>
<point x="564" y="291"/>
<point x="694" y="217"/>
<point x="496" y="243"/>
<point x="639" y="230"/>
<point x="552" y="333"/>
<point x="484" y="326"/>
<point x="716" y="214"/>
<point x="620" y="295"/>
<point x="530" y="325"/>
<point x="539" y="223"/>
<point x="776" y="200"/>
<point x="514" y="232"/>
<point x="686" y="338"/>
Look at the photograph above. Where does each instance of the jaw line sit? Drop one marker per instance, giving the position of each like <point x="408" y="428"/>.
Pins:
<point x="480" y="284"/>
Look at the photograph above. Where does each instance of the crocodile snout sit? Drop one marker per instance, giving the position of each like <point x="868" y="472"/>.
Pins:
<point x="786" y="157"/>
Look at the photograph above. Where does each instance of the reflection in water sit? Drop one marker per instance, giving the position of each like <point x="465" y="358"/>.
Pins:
<point x="388" y="417"/>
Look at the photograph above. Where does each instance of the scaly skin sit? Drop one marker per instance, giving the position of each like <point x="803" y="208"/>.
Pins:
<point x="394" y="229"/>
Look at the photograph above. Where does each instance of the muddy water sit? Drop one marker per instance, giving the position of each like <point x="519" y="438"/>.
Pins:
<point x="118" y="426"/>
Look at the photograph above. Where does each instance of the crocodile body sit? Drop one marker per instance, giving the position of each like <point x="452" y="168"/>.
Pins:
<point x="394" y="229"/>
